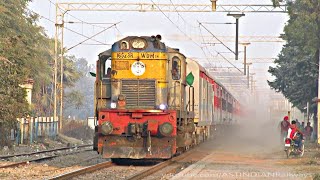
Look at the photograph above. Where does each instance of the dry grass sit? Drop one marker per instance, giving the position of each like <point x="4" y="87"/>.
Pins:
<point x="316" y="176"/>
<point x="78" y="130"/>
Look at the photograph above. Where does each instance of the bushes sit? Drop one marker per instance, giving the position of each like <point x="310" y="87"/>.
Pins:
<point x="78" y="129"/>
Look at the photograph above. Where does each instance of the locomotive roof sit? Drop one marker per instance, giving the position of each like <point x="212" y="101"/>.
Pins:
<point x="150" y="44"/>
<point x="106" y="54"/>
<point x="174" y="50"/>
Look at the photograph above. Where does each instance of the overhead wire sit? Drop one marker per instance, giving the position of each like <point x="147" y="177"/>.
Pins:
<point x="93" y="36"/>
<point x="223" y="57"/>
<point x="80" y="34"/>
<point x="186" y="22"/>
<point x="202" y="49"/>
<point x="218" y="53"/>
<point x="180" y="29"/>
<point x="202" y="37"/>
<point x="84" y="22"/>
<point x="87" y="23"/>
<point x="216" y="37"/>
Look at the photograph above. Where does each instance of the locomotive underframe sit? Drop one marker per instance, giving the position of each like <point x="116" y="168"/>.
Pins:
<point x="136" y="134"/>
<point x="134" y="148"/>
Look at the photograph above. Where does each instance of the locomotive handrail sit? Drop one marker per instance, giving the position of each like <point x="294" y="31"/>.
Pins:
<point x="189" y="104"/>
<point x="175" y="92"/>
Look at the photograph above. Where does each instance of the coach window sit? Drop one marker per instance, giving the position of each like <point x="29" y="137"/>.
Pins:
<point x="106" y="68"/>
<point x="176" y="68"/>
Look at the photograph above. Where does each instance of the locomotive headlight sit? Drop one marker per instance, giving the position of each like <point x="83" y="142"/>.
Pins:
<point x="113" y="105"/>
<point x="106" y="128"/>
<point x="166" y="129"/>
<point x="162" y="107"/>
<point x="121" y="101"/>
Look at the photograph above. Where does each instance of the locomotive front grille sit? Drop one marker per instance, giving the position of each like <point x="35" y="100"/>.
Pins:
<point x="139" y="93"/>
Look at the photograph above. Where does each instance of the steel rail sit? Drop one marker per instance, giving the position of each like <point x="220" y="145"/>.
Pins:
<point x="159" y="166"/>
<point x="83" y="171"/>
<point x="45" y="151"/>
<point x="27" y="162"/>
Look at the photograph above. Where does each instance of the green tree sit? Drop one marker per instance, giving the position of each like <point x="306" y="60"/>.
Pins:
<point x="12" y="100"/>
<point x="296" y="71"/>
<point x="24" y="43"/>
<point x="27" y="53"/>
<point x="75" y="98"/>
<point x="18" y="34"/>
<point x="80" y="98"/>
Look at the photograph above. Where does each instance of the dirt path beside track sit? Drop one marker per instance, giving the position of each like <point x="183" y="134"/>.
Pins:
<point x="236" y="156"/>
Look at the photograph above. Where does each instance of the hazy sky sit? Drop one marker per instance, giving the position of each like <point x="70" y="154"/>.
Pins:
<point x="153" y="23"/>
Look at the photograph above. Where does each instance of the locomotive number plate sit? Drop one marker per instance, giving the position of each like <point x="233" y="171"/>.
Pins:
<point x="139" y="55"/>
<point x="124" y="55"/>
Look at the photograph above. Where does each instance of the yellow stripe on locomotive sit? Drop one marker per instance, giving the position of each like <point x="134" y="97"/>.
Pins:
<point x="140" y="65"/>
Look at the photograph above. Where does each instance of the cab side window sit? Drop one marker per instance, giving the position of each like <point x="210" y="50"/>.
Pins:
<point x="176" y="68"/>
<point x="106" y="68"/>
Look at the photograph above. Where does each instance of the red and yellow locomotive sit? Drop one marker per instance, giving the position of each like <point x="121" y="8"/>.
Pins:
<point x="148" y="107"/>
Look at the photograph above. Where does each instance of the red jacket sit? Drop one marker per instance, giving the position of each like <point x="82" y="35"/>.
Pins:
<point x="292" y="131"/>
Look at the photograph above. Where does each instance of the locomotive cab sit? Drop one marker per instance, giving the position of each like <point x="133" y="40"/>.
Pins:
<point x="103" y="80"/>
<point x="102" y="93"/>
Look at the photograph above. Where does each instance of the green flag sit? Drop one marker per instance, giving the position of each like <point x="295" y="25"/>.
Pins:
<point x="190" y="79"/>
<point x="92" y="74"/>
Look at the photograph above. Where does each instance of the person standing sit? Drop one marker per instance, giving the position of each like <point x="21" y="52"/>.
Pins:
<point x="297" y="123"/>
<point x="284" y="126"/>
<point x="302" y="127"/>
<point x="308" y="131"/>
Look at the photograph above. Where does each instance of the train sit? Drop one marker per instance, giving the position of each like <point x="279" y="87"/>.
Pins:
<point x="152" y="102"/>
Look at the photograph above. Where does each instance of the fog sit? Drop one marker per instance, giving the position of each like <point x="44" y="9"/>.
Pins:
<point x="255" y="133"/>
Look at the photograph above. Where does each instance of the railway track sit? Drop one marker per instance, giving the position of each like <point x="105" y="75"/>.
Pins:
<point x="175" y="166"/>
<point x="37" y="153"/>
<point x="27" y="162"/>
<point x="137" y="176"/>
<point x="46" y="151"/>
<point x="161" y="166"/>
<point x="83" y="171"/>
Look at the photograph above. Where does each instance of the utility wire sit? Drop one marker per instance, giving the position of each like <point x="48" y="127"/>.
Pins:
<point x="180" y="29"/>
<point x="93" y="36"/>
<point x="202" y="36"/>
<point x="215" y="23"/>
<point x="186" y="22"/>
<point x="74" y="31"/>
<point x="218" y="53"/>
<point x="216" y="38"/>
<point x="84" y="22"/>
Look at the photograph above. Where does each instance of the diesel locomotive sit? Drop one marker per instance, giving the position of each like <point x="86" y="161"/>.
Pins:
<point x="152" y="102"/>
